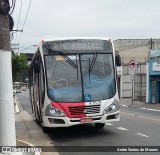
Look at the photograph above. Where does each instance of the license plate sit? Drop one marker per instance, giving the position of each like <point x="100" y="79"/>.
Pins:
<point x="85" y="120"/>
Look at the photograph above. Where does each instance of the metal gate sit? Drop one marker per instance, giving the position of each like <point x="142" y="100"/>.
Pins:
<point x="139" y="82"/>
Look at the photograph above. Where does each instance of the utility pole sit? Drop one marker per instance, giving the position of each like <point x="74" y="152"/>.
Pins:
<point x="7" y="118"/>
<point x="151" y="43"/>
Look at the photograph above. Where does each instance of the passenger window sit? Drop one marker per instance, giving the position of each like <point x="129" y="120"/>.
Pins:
<point x="42" y="85"/>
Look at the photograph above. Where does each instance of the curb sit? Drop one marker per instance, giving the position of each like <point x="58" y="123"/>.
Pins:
<point x="16" y="107"/>
<point x="28" y="144"/>
<point x="128" y="106"/>
<point x="17" y="110"/>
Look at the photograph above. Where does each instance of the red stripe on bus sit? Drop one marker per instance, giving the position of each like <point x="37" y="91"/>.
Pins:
<point x="72" y="110"/>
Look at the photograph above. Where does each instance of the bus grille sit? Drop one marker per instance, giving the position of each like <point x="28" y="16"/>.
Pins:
<point x="84" y="110"/>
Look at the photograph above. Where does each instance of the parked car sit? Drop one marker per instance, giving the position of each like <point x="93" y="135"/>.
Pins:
<point x="24" y="88"/>
<point x="18" y="90"/>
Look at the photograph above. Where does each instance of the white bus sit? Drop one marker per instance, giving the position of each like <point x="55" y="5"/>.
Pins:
<point x="74" y="81"/>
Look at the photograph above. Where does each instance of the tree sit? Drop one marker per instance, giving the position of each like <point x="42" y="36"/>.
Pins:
<point x="19" y="66"/>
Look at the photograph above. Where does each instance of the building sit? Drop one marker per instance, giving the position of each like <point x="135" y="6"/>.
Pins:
<point x="137" y="50"/>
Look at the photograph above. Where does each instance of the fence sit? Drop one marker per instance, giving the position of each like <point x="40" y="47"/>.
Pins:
<point x="139" y="86"/>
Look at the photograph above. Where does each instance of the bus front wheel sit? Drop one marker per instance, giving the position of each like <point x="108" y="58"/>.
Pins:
<point x="46" y="129"/>
<point x="99" y="125"/>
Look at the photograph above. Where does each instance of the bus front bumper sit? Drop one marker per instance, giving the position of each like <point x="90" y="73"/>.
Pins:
<point x="66" y="122"/>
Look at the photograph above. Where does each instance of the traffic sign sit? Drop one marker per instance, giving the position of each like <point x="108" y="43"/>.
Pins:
<point x="132" y="68"/>
<point x="132" y="64"/>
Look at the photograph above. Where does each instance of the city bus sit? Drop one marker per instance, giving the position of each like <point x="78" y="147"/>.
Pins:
<point x="74" y="81"/>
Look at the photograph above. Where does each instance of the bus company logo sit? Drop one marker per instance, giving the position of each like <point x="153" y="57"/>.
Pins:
<point x="85" y="111"/>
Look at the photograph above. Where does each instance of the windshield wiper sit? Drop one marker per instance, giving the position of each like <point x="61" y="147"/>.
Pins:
<point x="93" y="62"/>
<point x="71" y="62"/>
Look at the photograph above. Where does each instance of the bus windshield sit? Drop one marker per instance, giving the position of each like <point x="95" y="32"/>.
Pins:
<point x="80" y="77"/>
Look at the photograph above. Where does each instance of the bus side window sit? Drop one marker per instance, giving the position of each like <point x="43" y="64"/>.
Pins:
<point x="42" y="85"/>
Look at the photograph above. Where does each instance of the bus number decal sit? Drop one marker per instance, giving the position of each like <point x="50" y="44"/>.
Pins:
<point x="95" y="103"/>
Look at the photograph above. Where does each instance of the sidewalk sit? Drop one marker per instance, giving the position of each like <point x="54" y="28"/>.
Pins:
<point x="138" y="104"/>
<point x="29" y="133"/>
<point x="21" y="140"/>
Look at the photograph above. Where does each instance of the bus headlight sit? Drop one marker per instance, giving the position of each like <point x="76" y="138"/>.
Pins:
<point x="56" y="112"/>
<point x="51" y="111"/>
<point x="112" y="108"/>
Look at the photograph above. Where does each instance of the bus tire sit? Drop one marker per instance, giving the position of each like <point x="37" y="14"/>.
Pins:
<point x="99" y="125"/>
<point x="46" y="129"/>
<point x="37" y="121"/>
<point x="37" y="116"/>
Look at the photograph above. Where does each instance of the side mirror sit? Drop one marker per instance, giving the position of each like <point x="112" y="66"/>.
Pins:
<point x="118" y="60"/>
<point x="36" y="67"/>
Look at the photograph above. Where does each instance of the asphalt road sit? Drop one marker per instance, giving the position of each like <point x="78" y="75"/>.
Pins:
<point x="137" y="127"/>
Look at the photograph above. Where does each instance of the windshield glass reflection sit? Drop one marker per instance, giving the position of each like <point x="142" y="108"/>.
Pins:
<point x="93" y="77"/>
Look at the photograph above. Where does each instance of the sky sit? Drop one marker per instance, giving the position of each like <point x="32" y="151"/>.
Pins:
<point x="115" y="19"/>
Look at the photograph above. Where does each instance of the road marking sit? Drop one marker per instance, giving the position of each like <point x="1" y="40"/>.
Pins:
<point x="124" y="105"/>
<point x="121" y="128"/>
<point x="142" y="135"/>
<point x="150" y="109"/>
<point x="16" y="109"/>
<point x="143" y="108"/>
<point x="140" y="116"/>
<point x="108" y="124"/>
<point x="35" y="153"/>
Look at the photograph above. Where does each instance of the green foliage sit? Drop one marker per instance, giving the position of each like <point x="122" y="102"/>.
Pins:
<point x="19" y="66"/>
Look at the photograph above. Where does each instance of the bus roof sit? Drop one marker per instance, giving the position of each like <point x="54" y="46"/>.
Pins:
<point x="74" y="38"/>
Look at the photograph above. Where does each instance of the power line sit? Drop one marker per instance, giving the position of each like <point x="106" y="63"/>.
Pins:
<point x="13" y="6"/>
<point x="19" y="16"/>
<point x="25" y="20"/>
<point x="28" y="48"/>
